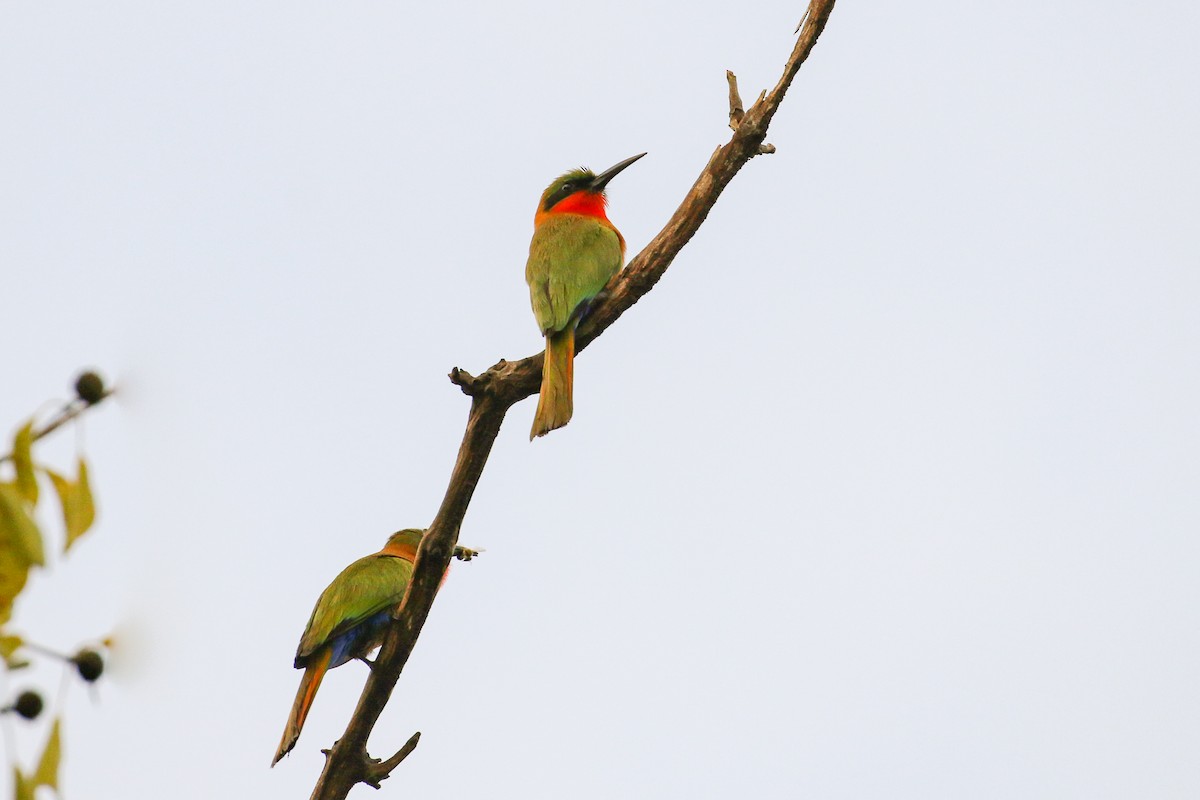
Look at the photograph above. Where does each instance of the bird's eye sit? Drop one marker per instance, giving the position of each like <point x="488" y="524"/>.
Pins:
<point x="567" y="188"/>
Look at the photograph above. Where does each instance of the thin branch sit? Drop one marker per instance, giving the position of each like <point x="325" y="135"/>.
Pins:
<point x="46" y="651"/>
<point x="506" y="383"/>
<point x="736" y="109"/>
<point x="70" y="410"/>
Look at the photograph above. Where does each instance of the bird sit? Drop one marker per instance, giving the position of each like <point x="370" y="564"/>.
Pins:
<point x="349" y="620"/>
<point x="575" y="251"/>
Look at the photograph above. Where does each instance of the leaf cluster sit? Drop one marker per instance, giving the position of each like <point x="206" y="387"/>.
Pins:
<point x="22" y="545"/>
<point x="23" y="548"/>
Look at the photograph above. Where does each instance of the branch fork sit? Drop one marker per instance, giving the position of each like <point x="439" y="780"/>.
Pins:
<point x="737" y="112"/>
<point x="379" y="771"/>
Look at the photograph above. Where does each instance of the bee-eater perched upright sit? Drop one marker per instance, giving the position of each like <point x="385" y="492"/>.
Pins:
<point x="349" y="620"/>
<point x="575" y="251"/>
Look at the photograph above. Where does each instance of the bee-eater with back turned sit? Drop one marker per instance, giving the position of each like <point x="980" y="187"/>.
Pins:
<point x="575" y="251"/>
<point x="349" y="620"/>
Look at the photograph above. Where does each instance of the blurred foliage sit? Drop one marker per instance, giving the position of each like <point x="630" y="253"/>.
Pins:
<point x="23" y="549"/>
<point x="46" y="774"/>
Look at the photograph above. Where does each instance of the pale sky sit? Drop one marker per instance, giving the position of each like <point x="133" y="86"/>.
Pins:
<point x="888" y="490"/>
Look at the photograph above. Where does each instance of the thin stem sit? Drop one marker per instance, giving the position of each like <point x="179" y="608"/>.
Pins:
<point x="68" y="412"/>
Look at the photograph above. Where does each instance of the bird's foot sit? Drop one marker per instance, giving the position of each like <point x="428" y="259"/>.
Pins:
<point x="465" y="553"/>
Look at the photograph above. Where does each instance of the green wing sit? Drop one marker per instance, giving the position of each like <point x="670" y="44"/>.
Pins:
<point x="361" y="590"/>
<point x="571" y="257"/>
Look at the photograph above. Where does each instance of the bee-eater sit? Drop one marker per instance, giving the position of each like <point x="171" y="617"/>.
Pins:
<point x="349" y="620"/>
<point x="575" y="251"/>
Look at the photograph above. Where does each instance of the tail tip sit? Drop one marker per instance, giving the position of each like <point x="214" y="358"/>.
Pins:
<point x="541" y="427"/>
<point x="285" y="747"/>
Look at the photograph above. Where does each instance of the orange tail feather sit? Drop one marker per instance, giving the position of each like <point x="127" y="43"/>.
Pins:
<point x="558" y="373"/>
<point x="309" y="684"/>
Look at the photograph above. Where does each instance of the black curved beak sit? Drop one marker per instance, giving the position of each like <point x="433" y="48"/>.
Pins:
<point x="601" y="180"/>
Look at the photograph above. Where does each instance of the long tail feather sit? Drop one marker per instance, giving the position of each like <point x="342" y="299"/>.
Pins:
<point x="558" y="373"/>
<point x="309" y="684"/>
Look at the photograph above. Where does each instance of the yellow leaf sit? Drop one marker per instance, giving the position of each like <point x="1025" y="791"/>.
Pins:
<point x="22" y="456"/>
<point x="14" y="571"/>
<point x="14" y="564"/>
<point x="85" y="507"/>
<point x="9" y="644"/>
<point x="47" y="768"/>
<point x="18" y="531"/>
<point x="22" y="786"/>
<point x="79" y="511"/>
<point x="62" y="487"/>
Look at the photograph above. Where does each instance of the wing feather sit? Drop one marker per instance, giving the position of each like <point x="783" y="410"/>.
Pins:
<point x="360" y="591"/>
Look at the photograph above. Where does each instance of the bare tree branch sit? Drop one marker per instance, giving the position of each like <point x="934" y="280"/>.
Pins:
<point x="736" y="109"/>
<point x="506" y="383"/>
<point x="383" y="770"/>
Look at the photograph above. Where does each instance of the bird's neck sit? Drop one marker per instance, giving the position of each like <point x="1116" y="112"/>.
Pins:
<point x="584" y="204"/>
<point x="405" y="551"/>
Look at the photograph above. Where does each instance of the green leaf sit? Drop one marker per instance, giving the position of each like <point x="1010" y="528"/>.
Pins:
<point x="47" y="768"/>
<point x="22" y="456"/>
<point x="18" y="531"/>
<point x="79" y="510"/>
<point x="22" y="786"/>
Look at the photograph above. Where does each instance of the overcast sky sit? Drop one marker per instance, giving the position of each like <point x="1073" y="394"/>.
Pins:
<point x="888" y="489"/>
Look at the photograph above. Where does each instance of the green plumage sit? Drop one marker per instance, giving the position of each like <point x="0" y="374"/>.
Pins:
<point x="360" y="591"/>
<point x="571" y="258"/>
<point x="574" y="253"/>
<point x="349" y="621"/>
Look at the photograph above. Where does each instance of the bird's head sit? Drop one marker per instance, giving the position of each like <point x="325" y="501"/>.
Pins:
<point x="580" y="191"/>
<point x="404" y="543"/>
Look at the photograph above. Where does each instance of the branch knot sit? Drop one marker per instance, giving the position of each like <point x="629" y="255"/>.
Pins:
<point x="376" y="771"/>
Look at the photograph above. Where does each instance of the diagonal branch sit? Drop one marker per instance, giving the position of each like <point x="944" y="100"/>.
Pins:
<point x="506" y="383"/>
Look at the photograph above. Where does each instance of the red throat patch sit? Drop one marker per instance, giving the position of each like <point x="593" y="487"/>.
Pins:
<point x="589" y="204"/>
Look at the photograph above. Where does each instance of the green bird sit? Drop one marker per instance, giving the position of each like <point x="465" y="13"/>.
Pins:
<point x="350" y="619"/>
<point x="575" y="251"/>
